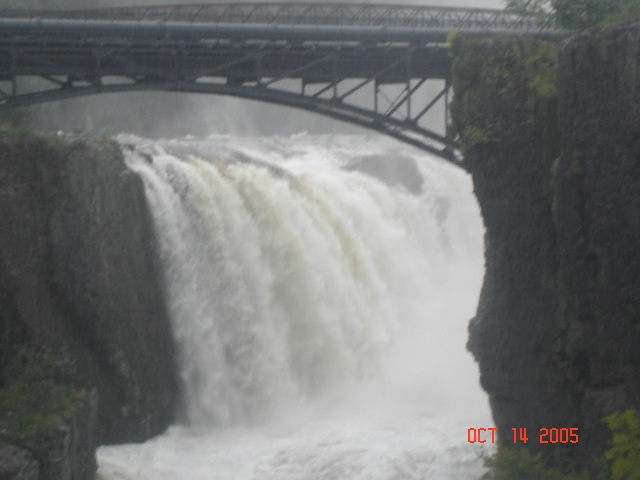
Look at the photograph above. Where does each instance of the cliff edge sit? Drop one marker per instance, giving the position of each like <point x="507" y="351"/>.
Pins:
<point x="551" y="133"/>
<point x="81" y="289"/>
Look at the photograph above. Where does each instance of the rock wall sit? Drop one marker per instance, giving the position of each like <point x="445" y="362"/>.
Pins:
<point x="597" y="213"/>
<point x="551" y="134"/>
<point x="79" y="276"/>
<point x="62" y="451"/>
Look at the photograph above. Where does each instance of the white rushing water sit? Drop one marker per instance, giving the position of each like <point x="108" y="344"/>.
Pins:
<point x="320" y="313"/>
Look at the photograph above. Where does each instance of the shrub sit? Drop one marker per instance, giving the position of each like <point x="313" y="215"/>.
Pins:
<point x="577" y="14"/>
<point x="520" y="464"/>
<point x="36" y="396"/>
<point x="624" y="455"/>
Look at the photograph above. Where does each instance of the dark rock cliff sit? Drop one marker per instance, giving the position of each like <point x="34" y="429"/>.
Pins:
<point x="79" y="276"/>
<point x="597" y="213"/>
<point x="552" y="139"/>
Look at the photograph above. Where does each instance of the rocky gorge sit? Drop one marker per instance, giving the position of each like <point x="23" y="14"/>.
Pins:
<point x="551" y="136"/>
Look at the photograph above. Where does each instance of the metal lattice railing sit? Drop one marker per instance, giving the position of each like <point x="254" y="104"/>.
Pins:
<point x="332" y="14"/>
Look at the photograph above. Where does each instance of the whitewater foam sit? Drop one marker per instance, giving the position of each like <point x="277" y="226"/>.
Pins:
<point x="320" y="314"/>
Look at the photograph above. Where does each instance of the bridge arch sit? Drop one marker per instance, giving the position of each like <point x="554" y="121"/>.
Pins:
<point x="395" y="121"/>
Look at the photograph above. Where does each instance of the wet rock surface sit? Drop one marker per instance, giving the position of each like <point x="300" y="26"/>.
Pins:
<point x="396" y="171"/>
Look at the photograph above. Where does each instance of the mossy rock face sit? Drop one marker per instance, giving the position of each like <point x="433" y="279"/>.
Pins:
<point x="17" y="463"/>
<point x="45" y="421"/>
<point x="57" y="443"/>
<point x="34" y="398"/>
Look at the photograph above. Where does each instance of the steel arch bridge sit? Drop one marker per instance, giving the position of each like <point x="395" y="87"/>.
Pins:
<point x="378" y="66"/>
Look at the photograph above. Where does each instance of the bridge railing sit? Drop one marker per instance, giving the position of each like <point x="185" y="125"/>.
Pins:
<point x="310" y="14"/>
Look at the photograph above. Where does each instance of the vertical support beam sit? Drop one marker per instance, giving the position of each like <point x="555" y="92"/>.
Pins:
<point x="14" y="86"/>
<point x="180" y="65"/>
<point x="259" y="71"/>
<point x="14" y="82"/>
<point x="376" y="93"/>
<point x="98" y="73"/>
<point x="334" y="74"/>
<point x="447" y="87"/>
<point x="409" y="93"/>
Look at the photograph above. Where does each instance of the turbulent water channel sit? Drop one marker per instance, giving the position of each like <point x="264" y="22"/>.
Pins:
<point x="319" y="311"/>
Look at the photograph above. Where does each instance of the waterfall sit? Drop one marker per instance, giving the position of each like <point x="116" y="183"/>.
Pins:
<point x="308" y="296"/>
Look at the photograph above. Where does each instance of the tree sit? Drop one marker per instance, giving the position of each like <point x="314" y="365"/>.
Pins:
<point x="624" y="454"/>
<point x="581" y="14"/>
<point x="538" y="7"/>
<point x="578" y="14"/>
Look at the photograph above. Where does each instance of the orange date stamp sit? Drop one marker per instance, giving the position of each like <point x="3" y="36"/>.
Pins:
<point x="545" y="435"/>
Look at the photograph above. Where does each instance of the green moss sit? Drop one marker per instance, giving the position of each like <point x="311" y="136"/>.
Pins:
<point x="473" y="135"/>
<point x="517" y="74"/>
<point x="453" y="39"/>
<point x="623" y="457"/>
<point x="624" y="454"/>
<point x="14" y="125"/>
<point x="36" y="396"/>
<point x="520" y="464"/>
<point x="581" y="14"/>
<point x="542" y="67"/>
<point x="466" y="65"/>
<point x="630" y="9"/>
<point x="16" y="130"/>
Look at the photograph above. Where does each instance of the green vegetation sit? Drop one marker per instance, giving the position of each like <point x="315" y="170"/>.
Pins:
<point x="541" y="66"/>
<point x="521" y="73"/>
<point x="578" y="14"/>
<point x="14" y="122"/>
<point x="520" y="464"/>
<point x="15" y="130"/>
<point x="535" y="7"/>
<point x="36" y="394"/>
<point x="624" y="455"/>
<point x="628" y="9"/>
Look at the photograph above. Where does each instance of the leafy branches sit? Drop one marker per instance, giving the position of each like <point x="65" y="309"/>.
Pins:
<point x="536" y="7"/>
<point x="520" y="464"/>
<point x="37" y="394"/>
<point x="577" y="14"/>
<point x="624" y="454"/>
